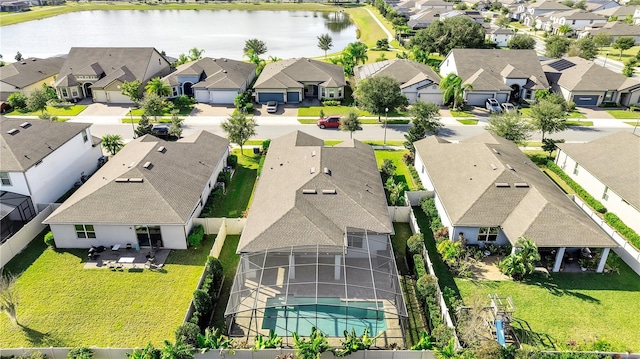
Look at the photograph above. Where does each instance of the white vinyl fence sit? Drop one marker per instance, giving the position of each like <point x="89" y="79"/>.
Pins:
<point x="19" y="240"/>
<point x="399" y="213"/>
<point x="414" y="197"/>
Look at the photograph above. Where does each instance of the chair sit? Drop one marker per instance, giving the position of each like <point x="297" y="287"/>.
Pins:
<point x="128" y="247"/>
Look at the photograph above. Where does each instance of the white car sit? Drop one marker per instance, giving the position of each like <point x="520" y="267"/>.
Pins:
<point x="508" y="107"/>
<point x="493" y="105"/>
<point x="272" y="106"/>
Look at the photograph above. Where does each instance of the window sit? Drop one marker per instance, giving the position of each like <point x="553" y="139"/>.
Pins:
<point x="488" y="234"/>
<point x="74" y="93"/>
<point x="324" y="93"/>
<point x="85" y="136"/>
<point x="608" y="96"/>
<point x="332" y="93"/>
<point x="85" y="231"/>
<point x="4" y="179"/>
<point x="339" y="92"/>
<point x="64" y="92"/>
<point x="576" y="169"/>
<point x="605" y="194"/>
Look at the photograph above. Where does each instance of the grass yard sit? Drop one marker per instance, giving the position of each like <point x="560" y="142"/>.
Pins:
<point x="630" y="123"/>
<point x="314" y="111"/>
<point x="229" y="260"/>
<point x="462" y="113"/>
<point x="52" y="110"/>
<point x="240" y="191"/>
<point x="402" y="171"/>
<point x="526" y="112"/>
<point x="128" y="120"/>
<point x="614" y="54"/>
<point x="571" y="306"/>
<point x="165" y="112"/>
<point x="370" y="31"/>
<point x="571" y="123"/>
<point x="624" y="114"/>
<point x="63" y="305"/>
<point x="362" y="121"/>
<point x="468" y="121"/>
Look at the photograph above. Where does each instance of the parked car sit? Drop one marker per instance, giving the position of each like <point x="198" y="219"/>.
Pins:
<point x="272" y="106"/>
<point x="160" y="130"/>
<point x="493" y="105"/>
<point x="508" y="107"/>
<point x="330" y="121"/>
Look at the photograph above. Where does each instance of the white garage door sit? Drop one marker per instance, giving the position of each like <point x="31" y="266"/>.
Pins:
<point x="475" y="99"/>
<point x="222" y="97"/>
<point x="502" y="97"/>
<point x="117" y="97"/>
<point x="201" y="96"/>
<point x="431" y="97"/>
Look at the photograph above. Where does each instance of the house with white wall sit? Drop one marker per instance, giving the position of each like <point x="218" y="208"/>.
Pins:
<point x="500" y="36"/>
<point x="506" y="75"/>
<point x="609" y="170"/>
<point x="616" y="29"/>
<point x="417" y="81"/>
<point x="529" y="11"/>
<point x="44" y="159"/>
<point x="576" y="19"/>
<point x="146" y="195"/>
<point x="487" y="191"/>
<point x="28" y="75"/>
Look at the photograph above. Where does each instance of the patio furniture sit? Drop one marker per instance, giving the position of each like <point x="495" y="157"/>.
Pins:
<point x="126" y="259"/>
<point x="129" y="246"/>
<point x="115" y="248"/>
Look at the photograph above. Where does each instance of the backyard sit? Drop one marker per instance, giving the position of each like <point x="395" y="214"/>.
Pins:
<point x="402" y="170"/>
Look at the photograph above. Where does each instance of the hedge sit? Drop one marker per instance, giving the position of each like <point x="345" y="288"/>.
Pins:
<point x="617" y="224"/>
<point x="592" y="202"/>
<point x="195" y="238"/>
<point x="429" y="207"/>
<point x="418" y="264"/>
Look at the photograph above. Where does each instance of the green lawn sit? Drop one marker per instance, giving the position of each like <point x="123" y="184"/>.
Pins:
<point x="362" y="121"/>
<point x="128" y="120"/>
<point x="239" y="193"/>
<point x="468" y="121"/>
<point x="52" y="110"/>
<point x="402" y="171"/>
<point x="229" y="260"/>
<point x="370" y="31"/>
<point x="526" y="112"/>
<point x="615" y="54"/>
<point x="314" y="111"/>
<point x="63" y="305"/>
<point x="461" y="113"/>
<point x="624" y="114"/>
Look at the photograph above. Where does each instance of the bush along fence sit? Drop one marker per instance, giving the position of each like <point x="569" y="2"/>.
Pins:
<point x="204" y="297"/>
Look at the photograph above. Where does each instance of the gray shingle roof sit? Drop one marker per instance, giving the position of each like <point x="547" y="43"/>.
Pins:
<point x="616" y="29"/>
<point x="30" y="71"/>
<point x="282" y="214"/>
<point x="586" y="75"/>
<point x="168" y="194"/>
<point x="292" y="73"/>
<point x="215" y="73"/>
<point x="483" y="68"/>
<point x="548" y="5"/>
<point x="465" y="181"/>
<point x="22" y="150"/>
<point x="613" y="159"/>
<point x="406" y="72"/>
<point x="620" y="11"/>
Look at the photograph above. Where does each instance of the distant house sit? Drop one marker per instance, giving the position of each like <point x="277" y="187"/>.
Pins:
<point x="146" y="195"/>
<point x="215" y="81"/>
<point x="293" y="80"/>
<point x="27" y="75"/>
<point x="488" y="192"/>
<point x="417" y="81"/>
<point x="506" y="75"/>
<point x="607" y="168"/>
<point x="99" y="72"/>
<point x="616" y="29"/>
<point x="528" y="12"/>
<point x="421" y="5"/>
<point x="589" y="84"/>
<point x="620" y="12"/>
<point x="576" y="19"/>
<point x="598" y="5"/>
<point x="14" y="5"/>
<point x="425" y="18"/>
<point x="500" y="36"/>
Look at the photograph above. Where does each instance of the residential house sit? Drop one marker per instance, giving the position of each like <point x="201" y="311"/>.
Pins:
<point x="418" y="82"/>
<point x="99" y="72"/>
<point x="589" y="84"/>
<point x="619" y="13"/>
<point x="616" y="29"/>
<point x="316" y="241"/>
<point x="607" y="168"/>
<point x="39" y="162"/>
<point x="28" y="75"/>
<point x="528" y="12"/>
<point x="405" y="8"/>
<point x="423" y="19"/>
<point x="15" y="5"/>
<point x="214" y="81"/>
<point x="500" y="36"/>
<point x="146" y="195"/>
<point x="293" y="80"/>
<point x="487" y="191"/>
<point x="506" y="75"/>
<point x="576" y="19"/>
<point x="422" y="5"/>
<point x="473" y="15"/>
<point x="599" y="5"/>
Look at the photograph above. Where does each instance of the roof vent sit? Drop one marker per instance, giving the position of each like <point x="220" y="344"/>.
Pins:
<point x="224" y="71"/>
<point x="326" y="171"/>
<point x="494" y="167"/>
<point x="225" y="60"/>
<point x="496" y="151"/>
<point x="521" y="185"/>
<point x="33" y="59"/>
<point x="131" y="164"/>
<point x="312" y="170"/>
<point x="12" y="131"/>
<point x="502" y="185"/>
<point x="309" y="191"/>
<point x="313" y="153"/>
<point x="122" y="180"/>
<point x="25" y="124"/>
<point x="329" y="191"/>
<point x="161" y="149"/>
<point x="509" y="167"/>
<point x="136" y="180"/>
<point x="147" y="164"/>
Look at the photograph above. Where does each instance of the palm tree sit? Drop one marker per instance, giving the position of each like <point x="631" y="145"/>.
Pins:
<point x="9" y="296"/>
<point x="452" y="87"/>
<point x="358" y="51"/>
<point x="182" y="59"/>
<point x="177" y="350"/>
<point x="564" y="29"/>
<point x="195" y="54"/>
<point x="112" y="143"/>
<point x="158" y="87"/>
<point x="325" y="43"/>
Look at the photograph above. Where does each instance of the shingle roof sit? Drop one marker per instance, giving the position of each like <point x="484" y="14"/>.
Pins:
<point x="578" y="14"/>
<point x="465" y="182"/>
<point x="283" y="214"/>
<point x="585" y="75"/>
<point x="618" y="11"/>
<point x="122" y="74"/>
<point x="27" y="72"/>
<point x="22" y="150"/>
<point x="616" y="29"/>
<point x="548" y="5"/>
<point x="214" y="73"/>
<point x="425" y="18"/>
<point x="406" y="72"/>
<point x="170" y="189"/>
<point x="613" y="159"/>
<point x="292" y="73"/>
<point x="483" y="68"/>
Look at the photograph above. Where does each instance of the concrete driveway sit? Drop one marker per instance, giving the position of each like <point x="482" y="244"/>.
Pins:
<point x="283" y="110"/>
<point x="205" y="109"/>
<point x="103" y="109"/>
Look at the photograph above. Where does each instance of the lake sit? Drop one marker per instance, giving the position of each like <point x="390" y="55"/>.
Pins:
<point x="221" y="33"/>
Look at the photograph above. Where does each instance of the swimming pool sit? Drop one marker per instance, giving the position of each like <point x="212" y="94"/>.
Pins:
<point x="331" y="315"/>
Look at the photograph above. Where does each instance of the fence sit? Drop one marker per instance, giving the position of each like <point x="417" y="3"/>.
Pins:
<point x="213" y="225"/>
<point x="414" y="197"/>
<point x="219" y="242"/>
<point x="626" y="251"/>
<point x="399" y="214"/>
<point x="16" y="243"/>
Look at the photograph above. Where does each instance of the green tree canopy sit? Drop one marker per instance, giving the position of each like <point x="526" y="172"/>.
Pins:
<point x="522" y="42"/>
<point x="132" y="90"/>
<point x="152" y="104"/>
<point x="358" y="51"/>
<point x="624" y="43"/>
<point x="458" y="32"/>
<point x="158" y="87"/>
<point x="585" y="48"/>
<point x="548" y="117"/>
<point x="453" y="89"/>
<point x="325" y="43"/>
<point x="375" y="94"/>
<point x="17" y="100"/>
<point x="510" y="125"/>
<point x="37" y="100"/>
<point x="239" y="129"/>
<point x="602" y="39"/>
<point x="350" y="123"/>
<point x="557" y="46"/>
<point x="175" y="128"/>
<point x="424" y="121"/>
<point x="195" y="54"/>
<point x="523" y="262"/>
<point x="112" y="143"/>
<point x="254" y="46"/>
<point x="144" y="127"/>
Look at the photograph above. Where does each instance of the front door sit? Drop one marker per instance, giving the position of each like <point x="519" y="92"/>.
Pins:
<point x="148" y="236"/>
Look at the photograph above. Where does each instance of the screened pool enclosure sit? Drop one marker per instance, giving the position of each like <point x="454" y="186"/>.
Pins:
<point x="332" y="288"/>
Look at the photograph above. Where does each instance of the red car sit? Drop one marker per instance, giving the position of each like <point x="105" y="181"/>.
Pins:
<point x="330" y="121"/>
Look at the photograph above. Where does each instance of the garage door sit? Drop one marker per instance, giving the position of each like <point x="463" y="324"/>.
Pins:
<point x="222" y="97"/>
<point x="502" y="97"/>
<point x="431" y="97"/>
<point x="293" y="97"/>
<point x="270" y="96"/>
<point x="201" y="96"/>
<point x="475" y="99"/>
<point x="117" y="97"/>
<point x="586" y="100"/>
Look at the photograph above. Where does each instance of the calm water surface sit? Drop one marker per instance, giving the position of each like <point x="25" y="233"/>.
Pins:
<point x="221" y="33"/>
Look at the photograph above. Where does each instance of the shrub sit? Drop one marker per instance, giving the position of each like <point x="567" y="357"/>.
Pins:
<point x="521" y="263"/>
<point x="441" y="233"/>
<point x="415" y="243"/>
<point x="182" y="102"/>
<point x="408" y="158"/>
<point x="419" y="269"/>
<point x="80" y="353"/>
<point x="188" y="333"/>
<point x="429" y="207"/>
<point x="35" y="354"/>
<point x="615" y="222"/>
<point x="224" y="176"/>
<point x="232" y="161"/>
<point x="592" y="202"/>
<point x="388" y="169"/>
<point x="195" y="318"/>
<point x="441" y="334"/>
<point x="195" y="238"/>
<point x="265" y="145"/>
<point x="48" y="240"/>
<point x="249" y="108"/>
<point x="427" y="286"/>
<point x="202" y="301"/>
<point x="17" y="100"/>
<point x="331" y="103"/>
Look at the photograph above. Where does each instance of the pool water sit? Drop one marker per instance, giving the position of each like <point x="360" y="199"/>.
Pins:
<point x="332" y="319"/>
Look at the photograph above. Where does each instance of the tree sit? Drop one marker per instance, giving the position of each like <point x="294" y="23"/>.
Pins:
<point x="548" y="117"/>
<point x="377" y="93"/>
<point x="144" y="127"/>
<point x="358" y="51"/>
<point x="148" y="352"/>
<point x="9" y="296"/>
<point x="522" y="42"/>
<point x="453" y="88"/>
<point x="152" y="105"/>
<point x="582" y="5"/>
<point x="556" y="46"/>
<point x="624" y="43"/>
<point x="522" y="262"/>
<point x="503" y="21"/>
<point x="239" y="129"/>
<point x="158" y="87"/>
<point x="177" y="350"/>
<point x="424" y="121"/>
<point x="195" y="54"/>
<point x="37" y="100"/>
<point x="585" y="48"/>
<point x="564" y="29"/>
<point x="50" y="93"/>
<point x="630" y="67"/>
<point x="175" y="129"/>
<point x="350" y="123"/>
<point x="387" y="170"/>
<point x="382" y="44"/>
<point x="182" y="59"/>
<point x="602" y="39"/>
<point x="254" y="46"/>
<point x="18" y="56"/>
<point x="549" y="145"/>
<point x="453" y="32"/>
<point x="112" y="143"/>
<point x="132" y="90"/>
<point x="395" y="190"/>
<point x="325" y="43"/>
<point x="510" y="125"/>
<point x="17" y="100"/>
